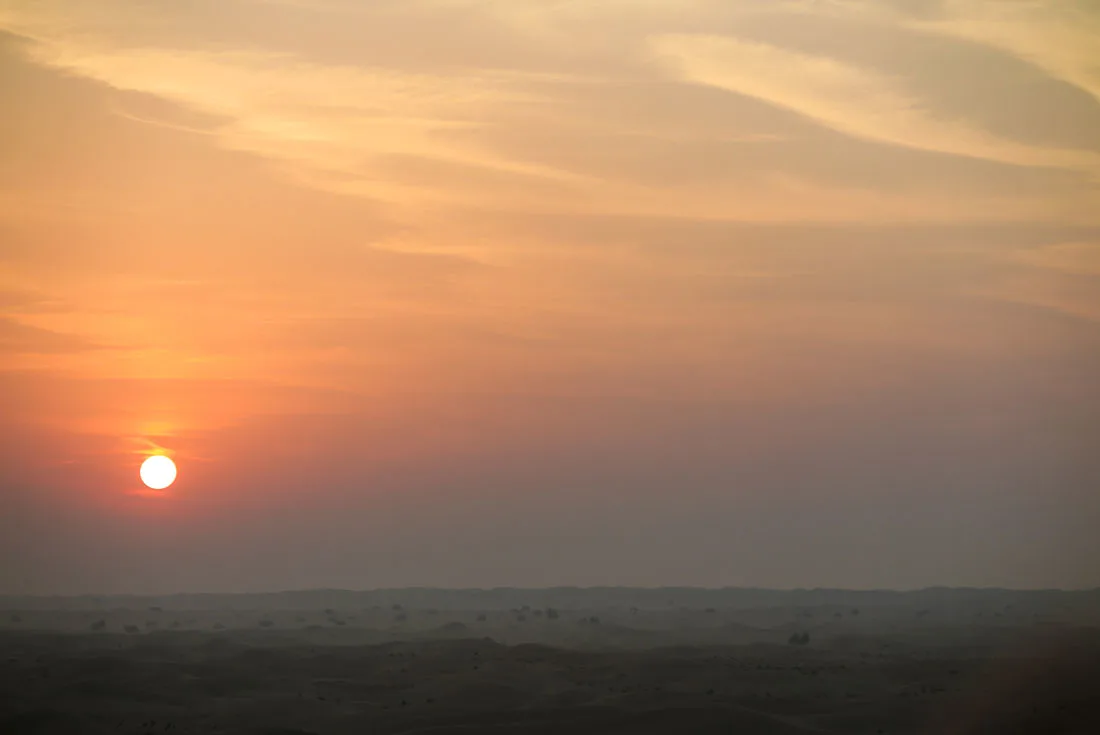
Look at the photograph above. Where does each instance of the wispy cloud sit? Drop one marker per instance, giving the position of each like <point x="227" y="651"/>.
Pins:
<point x="17" y="338"/>
<point x="1059" y="37"/>
<point x="1050" y="296"/>
<point x="331" y="121"/>
<point x="547" y="106"/>
<point x="851" y="100"/>
<point x="1078" y="258"/>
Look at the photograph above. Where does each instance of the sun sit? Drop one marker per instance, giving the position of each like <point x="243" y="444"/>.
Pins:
<point x="158" y="472"/>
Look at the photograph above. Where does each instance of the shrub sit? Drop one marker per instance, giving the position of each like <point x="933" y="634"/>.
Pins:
<point x="799" y="639"/>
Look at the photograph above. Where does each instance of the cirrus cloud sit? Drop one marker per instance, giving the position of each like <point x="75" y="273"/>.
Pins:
<point x="850" y="100"/>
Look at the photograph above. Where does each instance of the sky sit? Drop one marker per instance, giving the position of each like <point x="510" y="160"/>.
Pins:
<point x="795" y="293"/>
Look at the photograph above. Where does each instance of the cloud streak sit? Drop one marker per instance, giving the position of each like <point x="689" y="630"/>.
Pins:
<point x="1058" y="37"/>
<point x="845" y="98"/>
<point x="332" y="121"/>
<point x="1077" y="258"/>
<point x="510" y="106"/>
<point x="17" y="338"/>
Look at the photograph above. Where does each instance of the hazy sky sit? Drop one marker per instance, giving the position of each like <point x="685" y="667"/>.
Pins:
<point x="535" y="292"/>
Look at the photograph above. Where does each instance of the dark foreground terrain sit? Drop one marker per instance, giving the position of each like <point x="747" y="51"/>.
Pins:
<point x="581" y="661"/>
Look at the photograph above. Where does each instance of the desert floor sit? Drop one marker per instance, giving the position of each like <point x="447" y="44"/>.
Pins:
<point x="977" y="662"/>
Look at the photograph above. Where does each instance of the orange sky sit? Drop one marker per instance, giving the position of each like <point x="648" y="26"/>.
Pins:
<point x="452" y="282"/>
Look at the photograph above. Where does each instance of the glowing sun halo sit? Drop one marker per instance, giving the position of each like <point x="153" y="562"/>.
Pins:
<point x="158" y="472"/>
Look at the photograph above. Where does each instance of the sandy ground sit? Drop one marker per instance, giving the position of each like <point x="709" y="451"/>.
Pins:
<point x="971" y="663"/>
